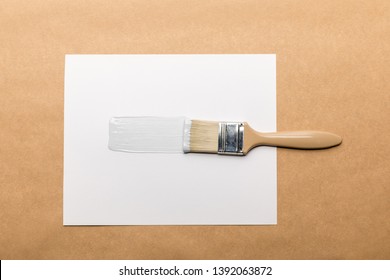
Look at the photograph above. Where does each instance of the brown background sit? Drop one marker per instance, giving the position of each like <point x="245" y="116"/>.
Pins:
<point x="332" y="74"/>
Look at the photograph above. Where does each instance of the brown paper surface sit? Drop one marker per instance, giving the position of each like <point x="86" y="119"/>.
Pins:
<point x="332" y="74"/>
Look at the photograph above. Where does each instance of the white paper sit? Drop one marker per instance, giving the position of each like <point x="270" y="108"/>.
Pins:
<point x="102" y="187"/>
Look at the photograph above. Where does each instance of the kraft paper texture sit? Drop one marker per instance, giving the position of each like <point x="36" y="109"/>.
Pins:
<point x="332" y="74"/>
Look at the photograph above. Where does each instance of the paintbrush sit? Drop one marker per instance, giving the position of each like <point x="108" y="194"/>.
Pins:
<point x="170" y="135"/>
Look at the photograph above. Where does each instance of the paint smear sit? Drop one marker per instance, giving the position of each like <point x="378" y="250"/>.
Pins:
<point x="149" y="134"/>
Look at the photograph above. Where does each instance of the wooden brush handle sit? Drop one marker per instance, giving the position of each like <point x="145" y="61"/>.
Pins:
<point x="289" y="139"/>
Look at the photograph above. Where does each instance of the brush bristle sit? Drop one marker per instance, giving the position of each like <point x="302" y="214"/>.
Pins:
<point x="204" y="137"/>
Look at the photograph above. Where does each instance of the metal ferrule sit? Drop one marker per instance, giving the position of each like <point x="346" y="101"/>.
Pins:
<point x="231" y="138"/>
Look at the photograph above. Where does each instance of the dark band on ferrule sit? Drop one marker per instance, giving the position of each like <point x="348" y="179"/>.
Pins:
<point x="231" y="138"/>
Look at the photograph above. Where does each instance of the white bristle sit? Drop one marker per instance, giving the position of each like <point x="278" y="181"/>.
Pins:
<point x="187" y="136"/>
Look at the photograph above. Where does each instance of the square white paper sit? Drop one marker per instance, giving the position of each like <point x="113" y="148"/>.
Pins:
<point x="103" y="187"/>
